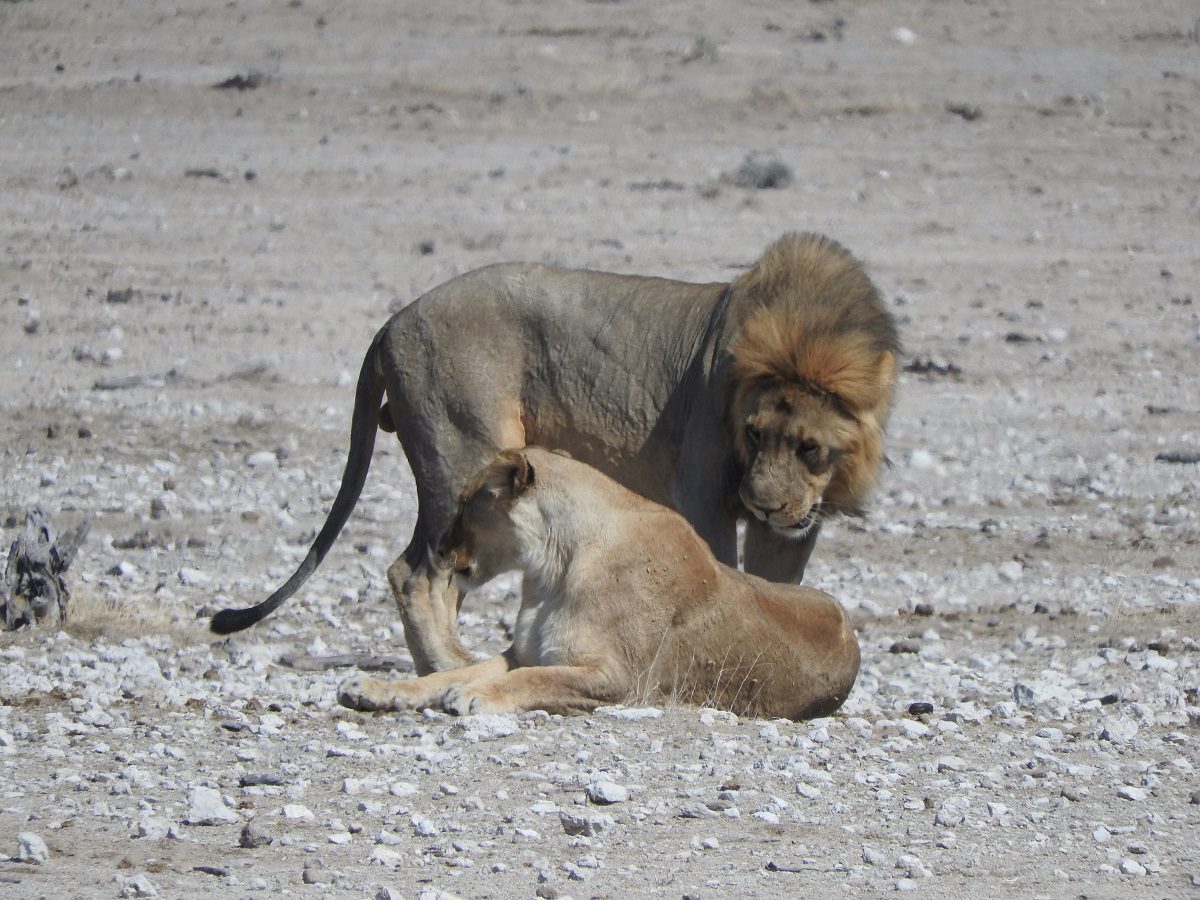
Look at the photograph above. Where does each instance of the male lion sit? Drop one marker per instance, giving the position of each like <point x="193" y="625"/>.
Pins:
<point x="763" y="400"/>
<point x="621" y="600"/>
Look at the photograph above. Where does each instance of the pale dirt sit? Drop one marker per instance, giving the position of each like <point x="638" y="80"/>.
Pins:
<point x="1021" y="180"/>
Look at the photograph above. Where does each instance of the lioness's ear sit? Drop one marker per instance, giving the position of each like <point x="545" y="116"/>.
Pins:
<point x="521" y="476"/>
<point x="512" y="474"/>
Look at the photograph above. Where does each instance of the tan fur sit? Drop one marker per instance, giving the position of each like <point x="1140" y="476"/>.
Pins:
<point x="652" y="381"/>
<point x="621" y="602"/>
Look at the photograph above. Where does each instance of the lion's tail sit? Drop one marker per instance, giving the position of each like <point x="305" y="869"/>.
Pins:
<point x="367" y="399"/>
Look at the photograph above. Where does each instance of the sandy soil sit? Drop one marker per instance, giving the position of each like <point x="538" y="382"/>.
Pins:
<point x="191" y="273"/>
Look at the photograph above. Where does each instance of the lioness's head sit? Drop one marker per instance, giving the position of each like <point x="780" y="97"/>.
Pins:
<point x="811" y="375"/>
<point x="482" y="541"/>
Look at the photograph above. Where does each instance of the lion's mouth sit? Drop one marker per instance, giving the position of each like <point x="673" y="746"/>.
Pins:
<point x="792" y="530"/>
<point x="797" y="531"/>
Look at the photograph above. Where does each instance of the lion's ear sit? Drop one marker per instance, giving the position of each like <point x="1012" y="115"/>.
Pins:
<point x="885" y="369"/>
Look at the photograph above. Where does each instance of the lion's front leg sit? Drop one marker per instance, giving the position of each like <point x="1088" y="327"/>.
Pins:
<point x="774" y="557"/>
<point x="369" y="694"/>
<point x="428" y="601"/>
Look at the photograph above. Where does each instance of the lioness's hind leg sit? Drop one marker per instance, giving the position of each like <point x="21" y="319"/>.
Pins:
<point x="371" y="694"/>
<point x="428" y="601"/>
<point x="556" y="689"/>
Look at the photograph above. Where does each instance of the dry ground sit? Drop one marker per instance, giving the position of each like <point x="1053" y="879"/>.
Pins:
<point x="189" y="274"/>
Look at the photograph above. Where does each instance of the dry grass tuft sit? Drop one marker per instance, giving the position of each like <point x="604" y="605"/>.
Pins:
<point x="91" y="616"/>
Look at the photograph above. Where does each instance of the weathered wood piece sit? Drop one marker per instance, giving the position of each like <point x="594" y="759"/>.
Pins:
<point x="34" y="584"/>
<point x="367" y="662"/>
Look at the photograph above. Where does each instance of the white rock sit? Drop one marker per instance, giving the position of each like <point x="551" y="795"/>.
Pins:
<point x="606" y="792"/>
<point x="193" y="577"/>
<point x="297" y="811"/>
<point x="152" y="827"/>
<point x="486" y="727"/>
<point x="586" y="826"/>
<point x="1126" y="792"/>
<point x="206" y="806"/>
<point x="385" y="856"/>
<point x="921" y="460"/>
<point x="1132" y="867"/>
<point x="952" y="812"/>
<point x="423" y="826"/>
<point x="31" y="848"/>
<point x="1011" y="571"/>
<point x="808" y="791"/>
<point x="710" y="717"/>
<point x="906" y="37"/>
<point x="139" y="885"/>
<point x="1119" y="730"/>
<point x="873" y="857"/>
<point x="261" y="459"/>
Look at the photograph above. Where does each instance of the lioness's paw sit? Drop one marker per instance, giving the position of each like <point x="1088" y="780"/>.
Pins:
<point x="369" y="694"/>
<point x="462" y="701"/>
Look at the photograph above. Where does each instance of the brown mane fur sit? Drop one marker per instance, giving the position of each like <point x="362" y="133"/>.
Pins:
<point x="811" y="317"/>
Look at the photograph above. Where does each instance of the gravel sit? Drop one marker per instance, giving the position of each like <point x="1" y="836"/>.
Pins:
<point x="178" y="354"/>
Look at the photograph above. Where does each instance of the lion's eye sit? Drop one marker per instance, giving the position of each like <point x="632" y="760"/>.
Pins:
<point x="753" y="435"/>
<point x="808" y="450"/>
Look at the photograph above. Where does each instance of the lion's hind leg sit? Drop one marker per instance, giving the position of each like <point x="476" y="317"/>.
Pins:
<point x="369" y="694"/>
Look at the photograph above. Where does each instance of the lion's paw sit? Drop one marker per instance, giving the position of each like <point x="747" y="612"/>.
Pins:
<point x="462" y="701"/>
<point x="369" y="694"/>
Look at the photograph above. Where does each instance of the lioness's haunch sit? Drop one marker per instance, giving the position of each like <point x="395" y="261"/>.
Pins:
<point x="763" y="400"/>
<point x="621" y="600"/>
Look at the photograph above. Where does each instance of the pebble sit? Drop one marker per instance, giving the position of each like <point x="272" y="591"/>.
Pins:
<point x="485" y="727"/>
<point x="315" y="873"/>
<point x="206" y="806"/>
<point x="254" y="836"/>
<point x="153" y="828"/>
<point x="587" y="826"/>
<point x="386" y="856"/>
<point x="1126" y="792"/>
<point x="630" y="714"/>
<point x="139" y="885"/>
<point x="808" y="791"/>
<point x="606" y="792"/>
<point x="31" y="848"/>
<point x="1132" y="867"/>
<point x="424" y="827"/>
<point x="295" y="811"/>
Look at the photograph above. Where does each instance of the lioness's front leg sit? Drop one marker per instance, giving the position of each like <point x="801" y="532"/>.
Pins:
<point x="428" y="601"/>
<point x="556" y="689"/>
<point x="369" y="694"/>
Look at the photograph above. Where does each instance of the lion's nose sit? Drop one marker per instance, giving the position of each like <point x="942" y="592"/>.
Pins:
<point x="762" y="513"/>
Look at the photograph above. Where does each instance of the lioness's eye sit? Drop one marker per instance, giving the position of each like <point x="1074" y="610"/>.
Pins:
<point x="753" y="435"/>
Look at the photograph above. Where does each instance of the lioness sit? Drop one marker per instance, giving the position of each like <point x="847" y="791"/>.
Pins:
<point x="621" y="600"/>
<point x="763" y="400"/>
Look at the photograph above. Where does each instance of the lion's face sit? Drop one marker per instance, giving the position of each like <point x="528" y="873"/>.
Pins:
<point x="482" y="541"/>
<point x="792" y="444"/>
